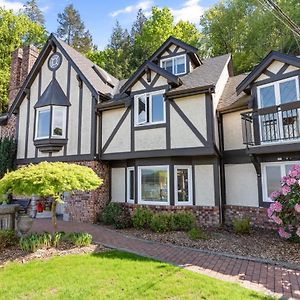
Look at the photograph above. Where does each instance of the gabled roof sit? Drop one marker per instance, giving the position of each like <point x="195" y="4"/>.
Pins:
<point x="206" y="75"/>
<point x="172" y="79"/>
<point x="229" y="99"/>
<point x="192" y="51"/>
<point x="256" y="72"/>
<point x="53" y="95"/>
<point x="99" y="81"/>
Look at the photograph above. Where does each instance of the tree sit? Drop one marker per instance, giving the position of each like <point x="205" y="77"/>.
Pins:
<point x="49" y="180"/>
<point x="33" y="12"/>
<point x="125" y="53"/>
<point x="249" y="32"/>
<point x="72" y="30"/>
<point x="8" y="152"/>
<point x="16" y="30"/>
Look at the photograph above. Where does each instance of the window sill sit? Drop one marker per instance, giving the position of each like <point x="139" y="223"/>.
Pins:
<point x="150" y="126"/>
<point x="50" y="145"/>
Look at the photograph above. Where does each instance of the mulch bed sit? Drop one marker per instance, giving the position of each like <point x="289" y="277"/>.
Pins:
<point x="15" y="254"/>
<point x="257" y="244"/>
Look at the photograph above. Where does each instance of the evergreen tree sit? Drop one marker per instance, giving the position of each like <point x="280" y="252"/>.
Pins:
<point x="33" y="12"/>
<point x="72" y="30"/>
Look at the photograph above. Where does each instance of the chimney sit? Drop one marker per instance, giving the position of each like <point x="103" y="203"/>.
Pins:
<point x="22" y="62"/>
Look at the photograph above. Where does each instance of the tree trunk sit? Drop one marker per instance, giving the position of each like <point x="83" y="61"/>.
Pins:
<point x="54" y="222"/>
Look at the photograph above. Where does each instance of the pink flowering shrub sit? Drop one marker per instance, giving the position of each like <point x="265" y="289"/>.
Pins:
<point x="285" y="210"/>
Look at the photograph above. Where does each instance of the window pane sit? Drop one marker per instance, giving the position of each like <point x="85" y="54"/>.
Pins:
<point x="142" y="112"/>
<point x="43" y="126"/>
<point x="131" y="184"/>
<point x="167" y="65"/>
<point x="182" y="185"/>
<point x="154" y="184"/>
<point x="157" y="108"/>
<point x="267" y="96"/>
<point x="288" y="91"/>
<point x="179" y="65"/>
<point x="288" y="168"/>
<point x="273" y="179"/>
<point x="58" y="121"/>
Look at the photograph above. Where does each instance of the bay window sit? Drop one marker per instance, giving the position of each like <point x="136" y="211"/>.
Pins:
<point x="183" y="185"/>
<point x="150" y="108"/>
<point x="272" y="175"/>
<point x="51" y="122"/>
<point x="175" y="65"/>
<point x="153" y="185"/>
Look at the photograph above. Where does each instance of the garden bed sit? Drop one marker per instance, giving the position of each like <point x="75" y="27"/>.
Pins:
<point x="15" y="254"/>
<point x="258" y="244"/>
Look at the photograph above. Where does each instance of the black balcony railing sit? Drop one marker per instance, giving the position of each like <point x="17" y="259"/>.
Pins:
<point x="272" y="124"/>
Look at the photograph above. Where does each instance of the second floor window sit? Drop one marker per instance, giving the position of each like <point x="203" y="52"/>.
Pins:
<point x="175" y="65"/>
<point x="279" y="92"/>
<point x="150" y="108"/>
<point x="51" y="122"/>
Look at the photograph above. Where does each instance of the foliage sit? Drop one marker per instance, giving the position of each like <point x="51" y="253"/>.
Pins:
<point x="8" y="238"/>
<point x="80" y="239"/>
<point x="241" y="27"/>
<point x="183" y="221"/>
<point x="116" y="214"/>
<point x="35" y="241"/>
<point x="113" y="275"/>
<point x="57" y="237"/>
<point x="197" y="234"/>
<point x="49" y="180"/>
<point x="8" y="152"/>
<point x="72" y="30"/>
<point x="33" y="12"/>
<point x="127" y="51"/>
<point x="16" y="30"/>
<point x="142" y="217"/>
<point x="241" y="226"/>
<point x="161" y="222"/>
<point x="285" y="210"/>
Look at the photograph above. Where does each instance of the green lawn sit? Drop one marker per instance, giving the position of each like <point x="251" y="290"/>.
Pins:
<point x="111" y="275"/>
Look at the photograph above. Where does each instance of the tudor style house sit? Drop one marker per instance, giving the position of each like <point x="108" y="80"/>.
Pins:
<point x="180" y="133"/>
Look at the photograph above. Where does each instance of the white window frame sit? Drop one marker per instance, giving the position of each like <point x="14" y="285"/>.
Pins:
<point x="38" y="110"/>
<point x="130" y="169"/>
<point x="264" y="166"/>
<point x="173" y="59"/>
<point x="52" y="111"/>
<point x="276" y="85"/>
<point x="190" y="185"/>
<point x="140" y="201"/>
<point x="64" y="123"/>
<point x="136" y="108"/>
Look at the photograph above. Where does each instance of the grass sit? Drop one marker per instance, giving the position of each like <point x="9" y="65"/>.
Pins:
<point x="111" y="275"/>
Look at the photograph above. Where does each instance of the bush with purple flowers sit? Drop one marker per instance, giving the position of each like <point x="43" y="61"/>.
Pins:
<point x="285" y="210"/>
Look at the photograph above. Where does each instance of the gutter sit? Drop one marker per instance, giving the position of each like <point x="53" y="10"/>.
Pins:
<point x="191" y="91"/>
<point x="3" y="119"/>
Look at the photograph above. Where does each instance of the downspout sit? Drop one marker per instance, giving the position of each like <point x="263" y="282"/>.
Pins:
<point x="222" y="168"/>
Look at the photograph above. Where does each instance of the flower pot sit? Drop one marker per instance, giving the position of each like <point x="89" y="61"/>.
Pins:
<point x="24" y="224"/>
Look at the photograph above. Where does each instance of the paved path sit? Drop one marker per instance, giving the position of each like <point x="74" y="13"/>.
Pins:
<point x="255" y="275"/>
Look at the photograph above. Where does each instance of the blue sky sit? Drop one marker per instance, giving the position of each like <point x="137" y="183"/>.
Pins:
<point x="100" y="16"/>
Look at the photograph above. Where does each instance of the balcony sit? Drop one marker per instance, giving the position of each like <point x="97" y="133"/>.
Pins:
<point x="272" y="125"/>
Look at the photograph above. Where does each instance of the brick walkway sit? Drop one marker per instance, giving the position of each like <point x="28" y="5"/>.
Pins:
<point x="255" y="275"/>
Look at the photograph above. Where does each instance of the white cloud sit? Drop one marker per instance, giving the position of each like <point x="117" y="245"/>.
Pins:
<point x="191" y="11"/>
<point x="11" y="5"/>
<point x="144" y="5"/>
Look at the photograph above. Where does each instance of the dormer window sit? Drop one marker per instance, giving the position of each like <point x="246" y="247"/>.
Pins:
<point x="175" y="65"/>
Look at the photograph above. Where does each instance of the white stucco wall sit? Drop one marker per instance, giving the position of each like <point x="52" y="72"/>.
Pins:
<point x="118" y="184"/>
<point x="22" y="129"/>
<point x="275" y="66"/>
<point x="241" y="185"/>
<point x="232" y="127"/>
<point x="204" y="185"/>
<point x="150" y="139"/>
<point x="122" y="140"/>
